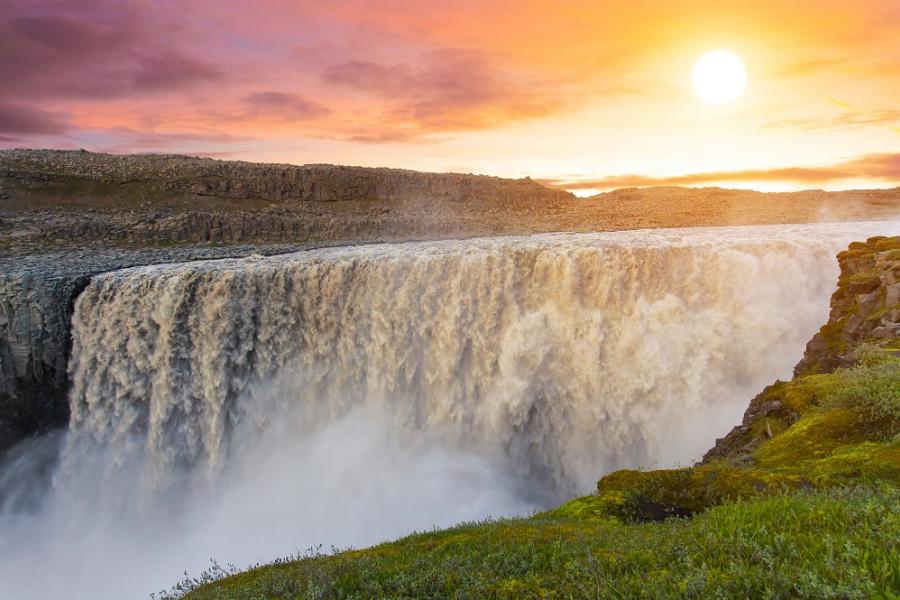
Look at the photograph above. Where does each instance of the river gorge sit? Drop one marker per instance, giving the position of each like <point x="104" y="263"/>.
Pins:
<point x="249" y="408"/>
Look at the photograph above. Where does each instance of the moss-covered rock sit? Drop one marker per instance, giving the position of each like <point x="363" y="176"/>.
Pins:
<point x="865" y="306"/>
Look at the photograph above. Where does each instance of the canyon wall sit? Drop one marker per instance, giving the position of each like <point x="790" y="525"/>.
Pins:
<point x="864" y="308"/>
<point x="70" y="199"/>
<point x="66" y="216"/>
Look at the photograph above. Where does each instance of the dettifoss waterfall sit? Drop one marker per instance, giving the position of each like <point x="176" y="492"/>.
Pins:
<point x="244" y="409"/>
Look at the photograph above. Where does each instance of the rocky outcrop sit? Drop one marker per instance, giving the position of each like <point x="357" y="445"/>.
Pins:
<point x="34" y="338"/>
<point x="63" y="199"/>
<point x="865" y="308"/>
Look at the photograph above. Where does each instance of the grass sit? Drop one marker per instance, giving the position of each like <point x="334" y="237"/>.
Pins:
<point x="873" y="385"/>
<point x="839" y="543"/>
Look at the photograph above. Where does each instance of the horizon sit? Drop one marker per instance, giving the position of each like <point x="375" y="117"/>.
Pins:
<point x="582" y="98"/>
<point x="575" y="191"/>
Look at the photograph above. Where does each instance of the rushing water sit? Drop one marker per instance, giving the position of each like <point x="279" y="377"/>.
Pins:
<point x="245" y="408"/>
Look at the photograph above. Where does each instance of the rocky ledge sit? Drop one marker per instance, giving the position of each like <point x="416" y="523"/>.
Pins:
<point x="865" y="310"/>
<point x="865" y="307"/>
<point x="244" y="180"/>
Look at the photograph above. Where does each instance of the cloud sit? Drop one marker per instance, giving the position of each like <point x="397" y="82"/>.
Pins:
<point x="441" y="90"/>
<point x="91" y="53"/>
<point x="283" y="106"/>
<point x="851" y="118"/>
<point x="124" y="140"/>
<point x="884" y="167"/>
<point x="17" y="120"/>
<point x="171" y="71"/>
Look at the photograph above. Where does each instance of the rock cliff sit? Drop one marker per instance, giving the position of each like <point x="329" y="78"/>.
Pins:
<point x="34" y="337"/>
<point x="282" y="182"/>
<point x="865" y="309"/>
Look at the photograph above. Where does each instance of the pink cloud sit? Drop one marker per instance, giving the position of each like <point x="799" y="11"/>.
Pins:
<point x="884" y="167"/>
<point x="17" y="120"/>
<point x="283" y="106"/>
<point x="442" y="90"/>
<point x="52" y="51"/>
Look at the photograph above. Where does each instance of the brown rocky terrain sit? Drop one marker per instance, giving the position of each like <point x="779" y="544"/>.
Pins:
<point x="62" y="199"/>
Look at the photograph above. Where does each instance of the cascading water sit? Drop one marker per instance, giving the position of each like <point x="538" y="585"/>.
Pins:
<point x="244" y="408"/>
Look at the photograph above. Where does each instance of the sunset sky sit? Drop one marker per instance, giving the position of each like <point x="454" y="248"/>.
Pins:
<point x="586" y="95"/>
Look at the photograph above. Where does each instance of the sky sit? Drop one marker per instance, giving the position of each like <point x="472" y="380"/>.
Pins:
<point x="583" y="95"/>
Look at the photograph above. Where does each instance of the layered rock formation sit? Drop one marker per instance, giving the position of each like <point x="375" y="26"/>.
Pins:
<point x="34" y="339"/>
<point x="865" y="306"/>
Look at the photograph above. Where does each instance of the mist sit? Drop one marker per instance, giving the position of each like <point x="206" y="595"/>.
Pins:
<point x="349" y="483"/>
<point x="247" y="409"/>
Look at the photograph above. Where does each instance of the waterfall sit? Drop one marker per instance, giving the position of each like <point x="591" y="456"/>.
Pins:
<point x="564" y="356"/>
<point x="347" y="395"/>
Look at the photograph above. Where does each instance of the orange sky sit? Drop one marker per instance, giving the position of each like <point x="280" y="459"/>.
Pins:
<point x="588" y="95"/>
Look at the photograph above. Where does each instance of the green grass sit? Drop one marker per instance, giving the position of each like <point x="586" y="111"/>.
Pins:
<point x="840" y="543"/>
<point x="873" y="385"/>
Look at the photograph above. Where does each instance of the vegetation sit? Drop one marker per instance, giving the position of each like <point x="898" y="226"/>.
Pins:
<point x="873" y="385"/>
<point x="841" y="543"/>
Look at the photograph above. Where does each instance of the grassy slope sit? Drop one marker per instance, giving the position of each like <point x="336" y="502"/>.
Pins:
<point x="842" y="543"/>
<point x="811" y="511"/>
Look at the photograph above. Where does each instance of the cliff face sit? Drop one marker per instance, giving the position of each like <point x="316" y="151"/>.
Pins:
<point x="865" y="309"/>
<point x="62" y="198"/>
<point x="235" y="179"/>
<point x="34" y="339"/>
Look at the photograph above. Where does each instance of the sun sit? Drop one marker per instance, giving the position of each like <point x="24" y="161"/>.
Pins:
<point x="719" y="76"/>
